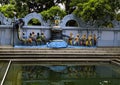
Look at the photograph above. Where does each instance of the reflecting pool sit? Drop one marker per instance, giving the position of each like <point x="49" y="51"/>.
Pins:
<point x="32" y="73"/>
<point x="3" y="66"/>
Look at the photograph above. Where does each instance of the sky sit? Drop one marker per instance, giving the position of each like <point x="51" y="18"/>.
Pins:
<point x="62" y="6"/>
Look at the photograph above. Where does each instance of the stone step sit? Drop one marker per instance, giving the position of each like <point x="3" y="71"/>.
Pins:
<point x="97" y="48"/>
<point x="56" y="56"/>
<point x="4" y="51"/>
<point x="59" y="60"/>
<point x="66" y="54"/>
<point x="115" y="62"/>
<point x="58" y="53"/>
<point x="54" y="51"/>
<point x="60" y="50"/>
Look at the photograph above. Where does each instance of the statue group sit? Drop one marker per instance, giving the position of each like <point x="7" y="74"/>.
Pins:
<point x="91" y="40"/>
<point x="39" y="39"/>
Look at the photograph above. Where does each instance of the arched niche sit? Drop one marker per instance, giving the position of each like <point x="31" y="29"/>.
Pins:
<point x="30" y="16"/>
<point x="72" y="17"/>
<point x="72" y="23"/>
<point x="34" y="21"/>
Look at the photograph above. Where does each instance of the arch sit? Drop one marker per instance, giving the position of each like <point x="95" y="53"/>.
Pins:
<point x="72" y="23"/>
<point x="35" y="15"/>
<point x="71" y="17"/>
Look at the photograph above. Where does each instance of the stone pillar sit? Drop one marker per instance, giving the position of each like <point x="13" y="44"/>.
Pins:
<point x="56" y="33"/>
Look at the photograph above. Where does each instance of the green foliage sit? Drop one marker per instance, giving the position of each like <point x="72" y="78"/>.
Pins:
<point x="108" y="25"/>
<point x="118" y="17"/>
<point x="95" y="9"/>
<point x="53" y="11"/>
<point x="75" y="2"/>
<point x="87" y="9"/>
<point x="21" y="8"/>
<point x="34" y="22"/>
<point x="8" y="10"/>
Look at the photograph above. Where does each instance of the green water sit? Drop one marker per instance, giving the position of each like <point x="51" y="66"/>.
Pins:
<point x="37" y="74"/>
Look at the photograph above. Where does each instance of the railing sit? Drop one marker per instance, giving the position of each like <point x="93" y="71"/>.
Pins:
<point x="6" y="72"/>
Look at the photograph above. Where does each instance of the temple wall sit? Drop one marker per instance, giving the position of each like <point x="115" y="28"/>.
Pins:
<point x="107" y="36"/>
<point x="6" y="36"/>
<point x="27" y="31"/>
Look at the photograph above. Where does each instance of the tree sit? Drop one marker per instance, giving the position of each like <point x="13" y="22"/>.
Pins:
<point x="93" y="10"/>
<point x="4" y="2"/>
<point x="118" y="16"/>
<point x="8" y="10"/>
<point x="53" y="11"/>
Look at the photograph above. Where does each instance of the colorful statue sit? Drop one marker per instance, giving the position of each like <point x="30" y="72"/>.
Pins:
<point x="90" y="40"/>
<point x="57" y="20"/>
<point x="43" y="38"/>
<point x="84" y="40"/>
<point x="77" y="40"/>
<point x="94" y="39"/>
<point x="30" y="38"/>
<point x="70" y="40"/>
<point x="38" y="38"/>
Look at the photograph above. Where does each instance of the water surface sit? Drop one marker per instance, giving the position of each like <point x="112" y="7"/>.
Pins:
<point x="27" y="73"/>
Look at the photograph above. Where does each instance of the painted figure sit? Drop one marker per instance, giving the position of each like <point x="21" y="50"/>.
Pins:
<point x="43" y="38"/>
<point x="33" y="36"/>
<point x="38" y="38"/>
<point x="95" y="39"/>
<point x="84" y="40"/>
<point x="70" y="40"/>
<point x="57" y="20"/>
<point x="77" y="40"/>
<point x="24" y="36"/>
<point x="30" y="38"/>
<point x="90" y="40"/>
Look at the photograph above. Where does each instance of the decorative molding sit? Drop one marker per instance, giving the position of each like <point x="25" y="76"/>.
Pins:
<point x="4" y="20"/>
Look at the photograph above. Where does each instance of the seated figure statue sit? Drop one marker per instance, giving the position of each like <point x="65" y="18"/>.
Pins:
<point x="24" y="38"/>
<point x="57" y="20"/>
<point x="38" y="38"/>
<point x="30" y="38"/>
<point x="43" y="38"/>
<point x="70" y="40"/>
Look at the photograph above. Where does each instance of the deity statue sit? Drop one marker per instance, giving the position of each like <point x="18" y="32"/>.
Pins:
<point x="57" y="20"/>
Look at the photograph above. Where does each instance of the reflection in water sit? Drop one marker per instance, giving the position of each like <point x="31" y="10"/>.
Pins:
<point x="46" y="72"/>
<point x="29" y="74"/>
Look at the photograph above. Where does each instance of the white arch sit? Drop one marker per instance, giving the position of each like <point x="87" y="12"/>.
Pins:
<point x="71" y="17"/>
<point x="35" y="15"/>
